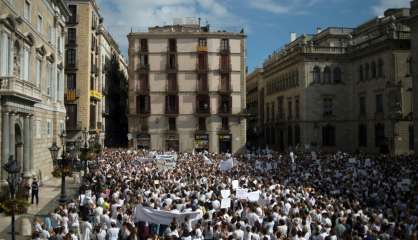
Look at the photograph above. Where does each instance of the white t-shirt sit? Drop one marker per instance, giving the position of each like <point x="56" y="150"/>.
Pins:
<point x="113" y="233"/>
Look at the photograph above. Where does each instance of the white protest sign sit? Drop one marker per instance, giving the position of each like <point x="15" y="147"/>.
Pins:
<point x="225" y="193"/>
<point x="253" y="196"/>
<point x="352" y="160"/>
<point x="226" y="203"/>
<point x="226" y="165"/>
<point x="235" y="184"/>
<point x="241" y="193"/>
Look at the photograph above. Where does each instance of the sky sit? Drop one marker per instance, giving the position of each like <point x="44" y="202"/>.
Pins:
<point x="267" y="23"/>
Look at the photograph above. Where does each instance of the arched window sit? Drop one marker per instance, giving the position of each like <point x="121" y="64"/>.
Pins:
<point x="316" y="74"/>
<point x="367" y="72"/>
<point x="380" y="65"/>
<point x="374" y="70"/>
<point x="337" y="75"/>
<point x="327" y="75"/>
<point x="361" y="73"/>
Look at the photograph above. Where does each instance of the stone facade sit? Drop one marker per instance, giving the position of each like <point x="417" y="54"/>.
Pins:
<point x="413" y="23"/>
<point x="253" y="101"/>
<point x="89" y="47"/>
<point x="187" y="89"/>
<point x="341" y="89"/>
<point x="31" y="82"/>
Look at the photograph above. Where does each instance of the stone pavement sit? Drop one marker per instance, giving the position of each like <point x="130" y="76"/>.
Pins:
<point x="49" y="194"/>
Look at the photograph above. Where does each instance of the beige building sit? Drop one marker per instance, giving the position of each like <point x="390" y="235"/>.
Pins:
<point x="413" y="23"/>
<point x="32" y="109"/>
<point x="253" y="121"/>
<point x="341" y="89"/>
<point x="89" y="47"/>
<point x="187" y="89"/>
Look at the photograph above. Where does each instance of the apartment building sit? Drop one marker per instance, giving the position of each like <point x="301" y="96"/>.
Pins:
<point x="89" y="46"/>
<point x="31" y="83"/>
<point x="413" y="23"/>
<point x="342" y="89"/>
<point x="253" y="101"/>
<point x="187" y="89"/>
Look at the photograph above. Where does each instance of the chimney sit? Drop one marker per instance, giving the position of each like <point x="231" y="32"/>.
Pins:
<point x="318" y="30"/>
<point x="292" y="36"/>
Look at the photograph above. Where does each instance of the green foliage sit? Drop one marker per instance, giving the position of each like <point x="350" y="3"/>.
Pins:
<point x="20" y="205"/>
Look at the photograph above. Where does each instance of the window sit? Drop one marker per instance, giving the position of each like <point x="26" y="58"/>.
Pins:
<point x="224" y="44"/>
<point x="51" y="34"/>
<point x="374" y="70"/>
<point x="225" y="123"/>
<point x="411" y="137"/>
<point x="361" y="73"/>
<point x="71" y="57"/>
<point x="71" y="81"/>
<point x="144" y="45"/>
<point x="172" y="124"/>
<point x="327" y="75"/>
<point x="225" y="104"/>
<point x="379" y="103"/>
<point x="143" y="60"/>
<point x="328" y="135"/>
<point x="172" y="61"/>
<point x="328" y="106"/>
<point x="380" y="65"/>
<point x="5" y="51"/>
<point x="225" y="82"/>
<point x="38" y="132"/>
<point x="202" y="124"/>
<point x="297" y="135"/>
<point x="172" y="104"/>
<point x="71" y="121"/>
<point x="40" y="24"/>
<point x="379" y="135"/>
<point x="337" y="75"/>
<point x="280" y="110"/>
<point x="316" y="75"/>
<point x="38" y="71"/>
<point x="297" y="107"/>
<point x="62" y="126"/>
<point x="49" y="76"/>
<point x="172" y="45"/>
<point x="203" y="42"/>
<point x="143" y="104"/>
<point x="289" y="109"/>
<point x="25" y="64"/>
<point x="48" y="128"/>
<point x="367" y="72"/>
<point x="72" y="36"/>
<point x="92" y="116"/>
<point x="73" y="10"/>
<point x="362" y="135"/>
<point x="290" y="136"/>
<point x="27" y="10"/>
<point x="362" y="105"/>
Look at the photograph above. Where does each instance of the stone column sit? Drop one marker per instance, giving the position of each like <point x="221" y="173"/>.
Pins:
<point x="5" y="143"/>
<point x="31" y="157"/>
<point x="26" y="147"/>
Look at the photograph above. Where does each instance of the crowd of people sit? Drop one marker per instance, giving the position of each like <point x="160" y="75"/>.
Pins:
<point x="130" y="195"/>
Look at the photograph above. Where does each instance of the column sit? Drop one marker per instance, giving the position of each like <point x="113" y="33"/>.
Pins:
<point x="5" y="143"/>
<point x="12" y="138"/>
<point x="31" y="156"/>
<point x="26" y="147"/>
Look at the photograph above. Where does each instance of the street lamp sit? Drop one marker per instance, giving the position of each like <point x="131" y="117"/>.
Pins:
<point x="13" y="169"/>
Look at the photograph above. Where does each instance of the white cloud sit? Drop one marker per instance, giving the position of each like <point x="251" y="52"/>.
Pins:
<point x="122" y="15"/>
<point x="382" y="5"/>
<point x="269" y="6"/>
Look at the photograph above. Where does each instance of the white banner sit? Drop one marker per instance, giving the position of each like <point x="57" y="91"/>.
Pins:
<point x="150" y="215"/>
<point x="226" y="165"/>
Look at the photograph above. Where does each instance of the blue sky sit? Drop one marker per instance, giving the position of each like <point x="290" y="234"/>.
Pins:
<point x="268" y="23"/>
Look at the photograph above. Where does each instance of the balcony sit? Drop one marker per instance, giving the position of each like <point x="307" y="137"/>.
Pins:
<point x="143" y="67"/>
<point x="225" y="87"/>
<point x="73" y="20"/>
<point x="71" y="95"/>
<point x="95" y="95"/>
<point x="11" y="86"/>
<point x="172" y="110"/>
<point x="171" y="68"/>
<point x="225" y="68"/>
<point x="202" y="48"/>
<point x="225" y="50"/>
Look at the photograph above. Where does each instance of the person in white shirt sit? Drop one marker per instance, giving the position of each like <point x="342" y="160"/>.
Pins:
<point x="238" y="233"/>
<point x="112" y="232"/>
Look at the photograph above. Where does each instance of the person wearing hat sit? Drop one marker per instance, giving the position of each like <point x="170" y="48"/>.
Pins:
<point x="35" y="191"/>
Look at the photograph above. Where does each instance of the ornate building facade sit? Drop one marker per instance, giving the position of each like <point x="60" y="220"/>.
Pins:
<point x="413" y="23"/>
<point x="187" y="89"/>
<point x="341" y="89"/>
<point x="32" y="35"/>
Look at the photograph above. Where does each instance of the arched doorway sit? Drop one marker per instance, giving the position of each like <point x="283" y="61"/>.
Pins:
<point x="18" y="150"/>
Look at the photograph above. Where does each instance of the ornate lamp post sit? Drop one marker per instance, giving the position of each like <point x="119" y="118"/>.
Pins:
<point x="13" y="169"/>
